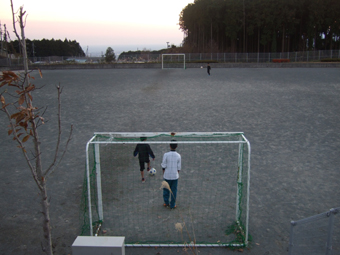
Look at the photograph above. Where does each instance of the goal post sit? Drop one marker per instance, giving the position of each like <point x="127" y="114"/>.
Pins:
<point x="213" y="185"/>
<point x="173" y="61"/>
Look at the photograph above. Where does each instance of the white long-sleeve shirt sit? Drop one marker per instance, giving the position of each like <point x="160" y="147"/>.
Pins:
<point x="172" y="164"/>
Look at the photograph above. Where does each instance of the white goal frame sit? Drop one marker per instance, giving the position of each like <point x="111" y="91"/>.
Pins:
<point x="173" y="55"/>
<point x="95" y="141"/>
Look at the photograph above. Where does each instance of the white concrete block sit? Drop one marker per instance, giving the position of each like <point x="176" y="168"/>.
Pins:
<point x="99" y="245"/>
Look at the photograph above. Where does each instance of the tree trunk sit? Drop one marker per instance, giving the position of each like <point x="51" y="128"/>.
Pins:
<point x="283" y="39"/>
<point x="211" y="36"/>
<point x="258" y="40"/>
<point x="244" y="28"/>
<point x="47" y="245"/>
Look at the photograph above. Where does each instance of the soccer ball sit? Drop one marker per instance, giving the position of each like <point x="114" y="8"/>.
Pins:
<point x="201" y="66"/>
<point x="152" y="171"/>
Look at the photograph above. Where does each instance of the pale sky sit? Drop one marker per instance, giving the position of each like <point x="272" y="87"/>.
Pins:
<point x="124" y="24"/>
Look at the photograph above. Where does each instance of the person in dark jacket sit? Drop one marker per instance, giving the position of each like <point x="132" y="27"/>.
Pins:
<point x="208" y="68"/>
<point x="144" y="152"/>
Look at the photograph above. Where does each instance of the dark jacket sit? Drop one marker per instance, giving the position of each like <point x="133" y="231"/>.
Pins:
<point x="144" y="151"/>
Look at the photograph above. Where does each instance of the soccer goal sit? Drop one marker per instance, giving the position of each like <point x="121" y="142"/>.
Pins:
<point x="212" y="195"/>
<point x="173" y="61"/>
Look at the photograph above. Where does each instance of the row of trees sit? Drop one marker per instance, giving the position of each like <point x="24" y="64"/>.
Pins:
<point x="143" y="54"/>
<point x="139" y="54"/>
<point x="260" y="25"/>
<point x="45" y="48"/>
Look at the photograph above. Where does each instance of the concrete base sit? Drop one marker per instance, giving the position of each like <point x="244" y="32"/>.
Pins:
<point x="98" y="245"/>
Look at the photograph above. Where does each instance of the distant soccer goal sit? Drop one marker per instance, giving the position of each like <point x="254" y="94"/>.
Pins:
<point x="212" y="196"/>
<point x="173" y="61"/>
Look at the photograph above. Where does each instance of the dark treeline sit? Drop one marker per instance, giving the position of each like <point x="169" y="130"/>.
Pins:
<point x="45" y="48"/>
<point x="260" y="25"/>
<point x="140" y="54"/>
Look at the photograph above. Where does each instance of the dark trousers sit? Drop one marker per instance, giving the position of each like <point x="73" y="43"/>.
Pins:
<point x="166" y="193"/>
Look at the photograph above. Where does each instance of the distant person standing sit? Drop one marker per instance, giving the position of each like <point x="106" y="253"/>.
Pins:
<point x="171" y="165"/>
<point x="208" y="68"/>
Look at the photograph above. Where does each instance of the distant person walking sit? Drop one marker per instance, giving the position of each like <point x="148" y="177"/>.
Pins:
<point x="208" y="68"/>
<point x="144" y="152"/>
<point x="171" y="165"/>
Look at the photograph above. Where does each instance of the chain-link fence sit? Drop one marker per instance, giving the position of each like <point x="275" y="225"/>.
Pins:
<point x="301" y="56"/>
<point x="319" y="234"/>
<point x="145" y="57"/>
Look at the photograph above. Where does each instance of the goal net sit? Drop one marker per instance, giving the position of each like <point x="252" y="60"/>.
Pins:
<point x="212" y="195"/>
<point x="173" y="61"/>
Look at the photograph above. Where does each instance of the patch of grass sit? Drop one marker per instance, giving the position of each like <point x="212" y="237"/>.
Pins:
<point x="238" y="231"/>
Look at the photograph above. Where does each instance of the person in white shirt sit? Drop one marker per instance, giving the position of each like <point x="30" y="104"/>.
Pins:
<point x="171" y="165"/>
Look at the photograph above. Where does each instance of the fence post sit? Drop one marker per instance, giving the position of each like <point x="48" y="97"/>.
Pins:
<point x="332" y="212"/>
<point x="235" y="57"/>
<point x="291" y="237"/>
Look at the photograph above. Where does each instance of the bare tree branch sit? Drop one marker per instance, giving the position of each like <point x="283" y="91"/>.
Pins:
<point x="22" y="147"/>
<point x="13" y="18"/>
<point x="59" y="136"/>
<point x="25" y="19"/>
<point x="51" y="170"/>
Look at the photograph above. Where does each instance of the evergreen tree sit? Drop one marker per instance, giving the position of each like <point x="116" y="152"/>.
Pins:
<point x="110" y="55"/>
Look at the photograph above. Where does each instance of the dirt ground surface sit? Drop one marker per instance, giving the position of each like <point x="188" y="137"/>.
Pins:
<point x="290" y="116"/>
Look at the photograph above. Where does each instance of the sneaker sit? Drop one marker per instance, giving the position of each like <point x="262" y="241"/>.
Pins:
<point x="143" y="180"/>
<point x="166" y="205"/>
<point x="174" y="207"/>
<point x="148" y="169"/>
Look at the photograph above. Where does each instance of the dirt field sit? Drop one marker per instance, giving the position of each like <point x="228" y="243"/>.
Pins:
<point x="290" y="116"/>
